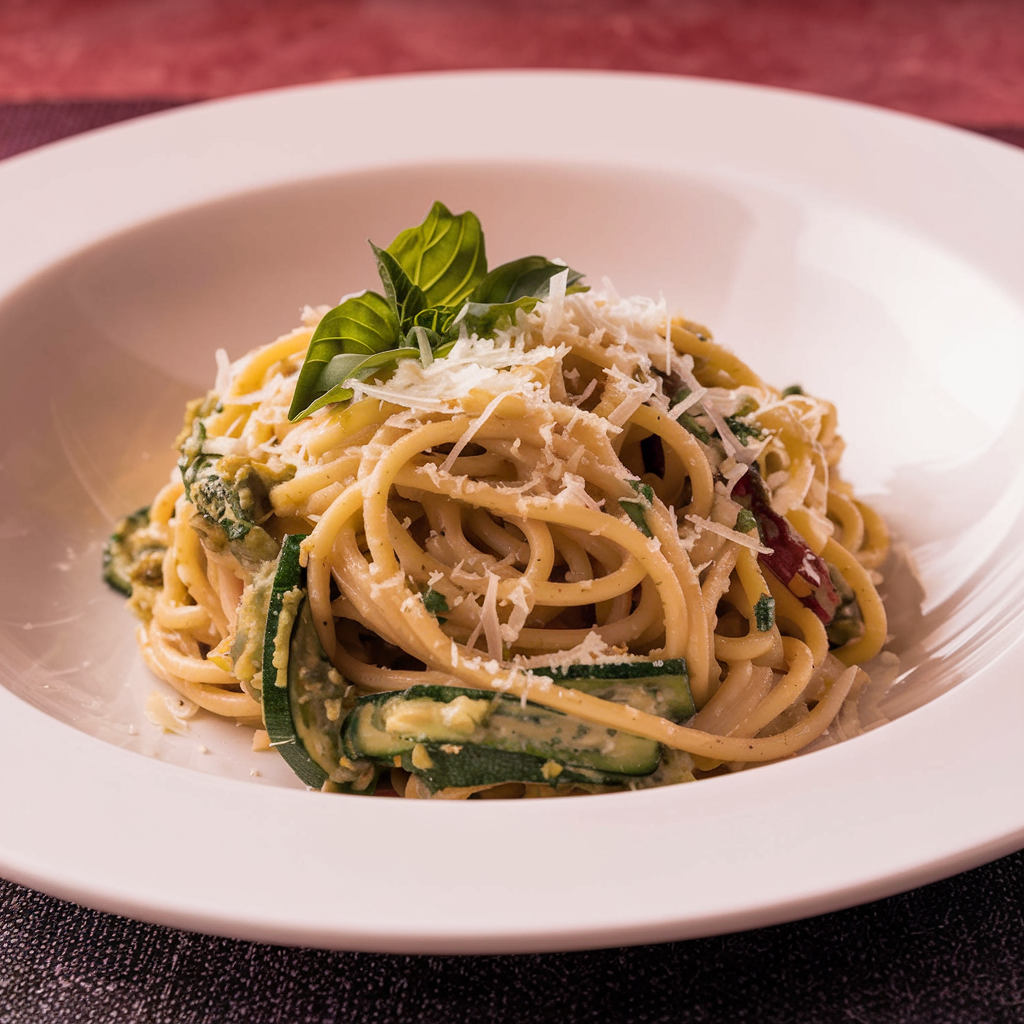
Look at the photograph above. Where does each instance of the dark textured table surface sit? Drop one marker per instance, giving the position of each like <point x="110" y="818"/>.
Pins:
<point x="949" y="952"/>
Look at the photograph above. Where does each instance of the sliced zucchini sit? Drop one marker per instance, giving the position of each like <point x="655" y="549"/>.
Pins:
<point x="660" y="687"/>
<point x="246" y="647"/>
<point x="456" y="736"/>
<point x="305" y="698"/>
<point x="129" y="557"/>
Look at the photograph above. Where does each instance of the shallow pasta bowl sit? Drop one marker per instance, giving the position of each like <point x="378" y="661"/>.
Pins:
<point x="872" y="257"/>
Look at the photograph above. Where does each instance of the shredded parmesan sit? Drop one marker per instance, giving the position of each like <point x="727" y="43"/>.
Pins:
<point x="457" y="449"/>
<point x="225" y="446"/>
<point x="636" y="394"/>
<point x="223" y="381"/>
<point x="728" y="534"/>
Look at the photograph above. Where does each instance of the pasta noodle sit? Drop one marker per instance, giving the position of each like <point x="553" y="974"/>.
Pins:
<point x="595" y="483"/>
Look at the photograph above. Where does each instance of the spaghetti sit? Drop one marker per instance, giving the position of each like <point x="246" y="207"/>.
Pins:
<point x="592" y="484"/>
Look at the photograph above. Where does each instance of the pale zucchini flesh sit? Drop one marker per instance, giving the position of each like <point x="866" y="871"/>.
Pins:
<point x="659" y="687"/>
<point x="304" y="697"/>
<point x="472" y="738"/>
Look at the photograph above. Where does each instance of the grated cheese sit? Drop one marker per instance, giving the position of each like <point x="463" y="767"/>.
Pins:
<point x="471" y="430"/>
<point x="637" y="393"/>
<point x="225" y="446"/>
<point x="223" y="381"/>
<point x="729" y="534"/>
<point x="521" y="607"/>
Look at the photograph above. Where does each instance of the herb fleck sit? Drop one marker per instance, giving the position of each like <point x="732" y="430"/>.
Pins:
<point x="742" y="429"/>
<point x="435" y="602"/>
<point x="636" y="507"/>
<point x="764" y="613"/>
<point x="745" y="521"/>
<point x="695" y="428"/>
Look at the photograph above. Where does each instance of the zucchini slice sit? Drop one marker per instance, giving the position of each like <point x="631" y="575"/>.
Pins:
<point x="304" y="697"/>
<point x="660" y="687"/>
<point x="457" y="736"/>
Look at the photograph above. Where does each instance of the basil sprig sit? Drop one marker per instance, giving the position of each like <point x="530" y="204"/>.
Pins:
<point x="435" y="280"/>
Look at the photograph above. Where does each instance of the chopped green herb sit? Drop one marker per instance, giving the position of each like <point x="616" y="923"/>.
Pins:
<point x="745" y="521"/>
<point x="742" y="429"/>
<point x="793" y="389"/>
<point x="435" y="602"/>
<point x="764" y="613"/>
<point x="636" y="508"/>
<point x="848" y="623"/>
<point x="695" y="428"/>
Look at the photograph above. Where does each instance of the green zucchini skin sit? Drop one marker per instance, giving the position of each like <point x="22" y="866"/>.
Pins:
<point x="508" y="742"/>
<point x="126" y="560"/>
<point x="665" y="684"/>
<point x="488" y="766"/>
<point x="305" y="699"/>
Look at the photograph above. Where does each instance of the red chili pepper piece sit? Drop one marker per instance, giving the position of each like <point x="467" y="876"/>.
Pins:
<point x="792" y="561"/>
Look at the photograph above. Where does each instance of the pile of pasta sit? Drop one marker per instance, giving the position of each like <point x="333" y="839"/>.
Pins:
<point x="599" y="481"/>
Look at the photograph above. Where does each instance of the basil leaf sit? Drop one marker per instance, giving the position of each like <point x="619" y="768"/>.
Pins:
<point x="437" y="319"/>
<point x="350" y="366"/>
<point x="484" y="318"/>
<point x="405" y="298"/>
<point x="527" y="276"/>
<point x="444" y="256"/>
<point x="430" y="340"/>
<point x="363" y="324"/>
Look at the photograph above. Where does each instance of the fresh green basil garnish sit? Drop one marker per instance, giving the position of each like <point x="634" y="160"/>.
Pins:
<point x="405" y="298"/>
<point x="436" y="284"/>
<point x="484" y="318"/>
<point x="362" y="325"/>
<point x="519" y="284"/>
<point x="527" y="277"/>
<point x="444" y="256"/>
<point x="353" y="366"/>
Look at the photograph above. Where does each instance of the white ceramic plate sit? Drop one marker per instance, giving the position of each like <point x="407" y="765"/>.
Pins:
<point x="873" y="257"/>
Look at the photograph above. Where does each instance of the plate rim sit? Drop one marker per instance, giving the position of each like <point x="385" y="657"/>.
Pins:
<point x="36" y="861"/>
